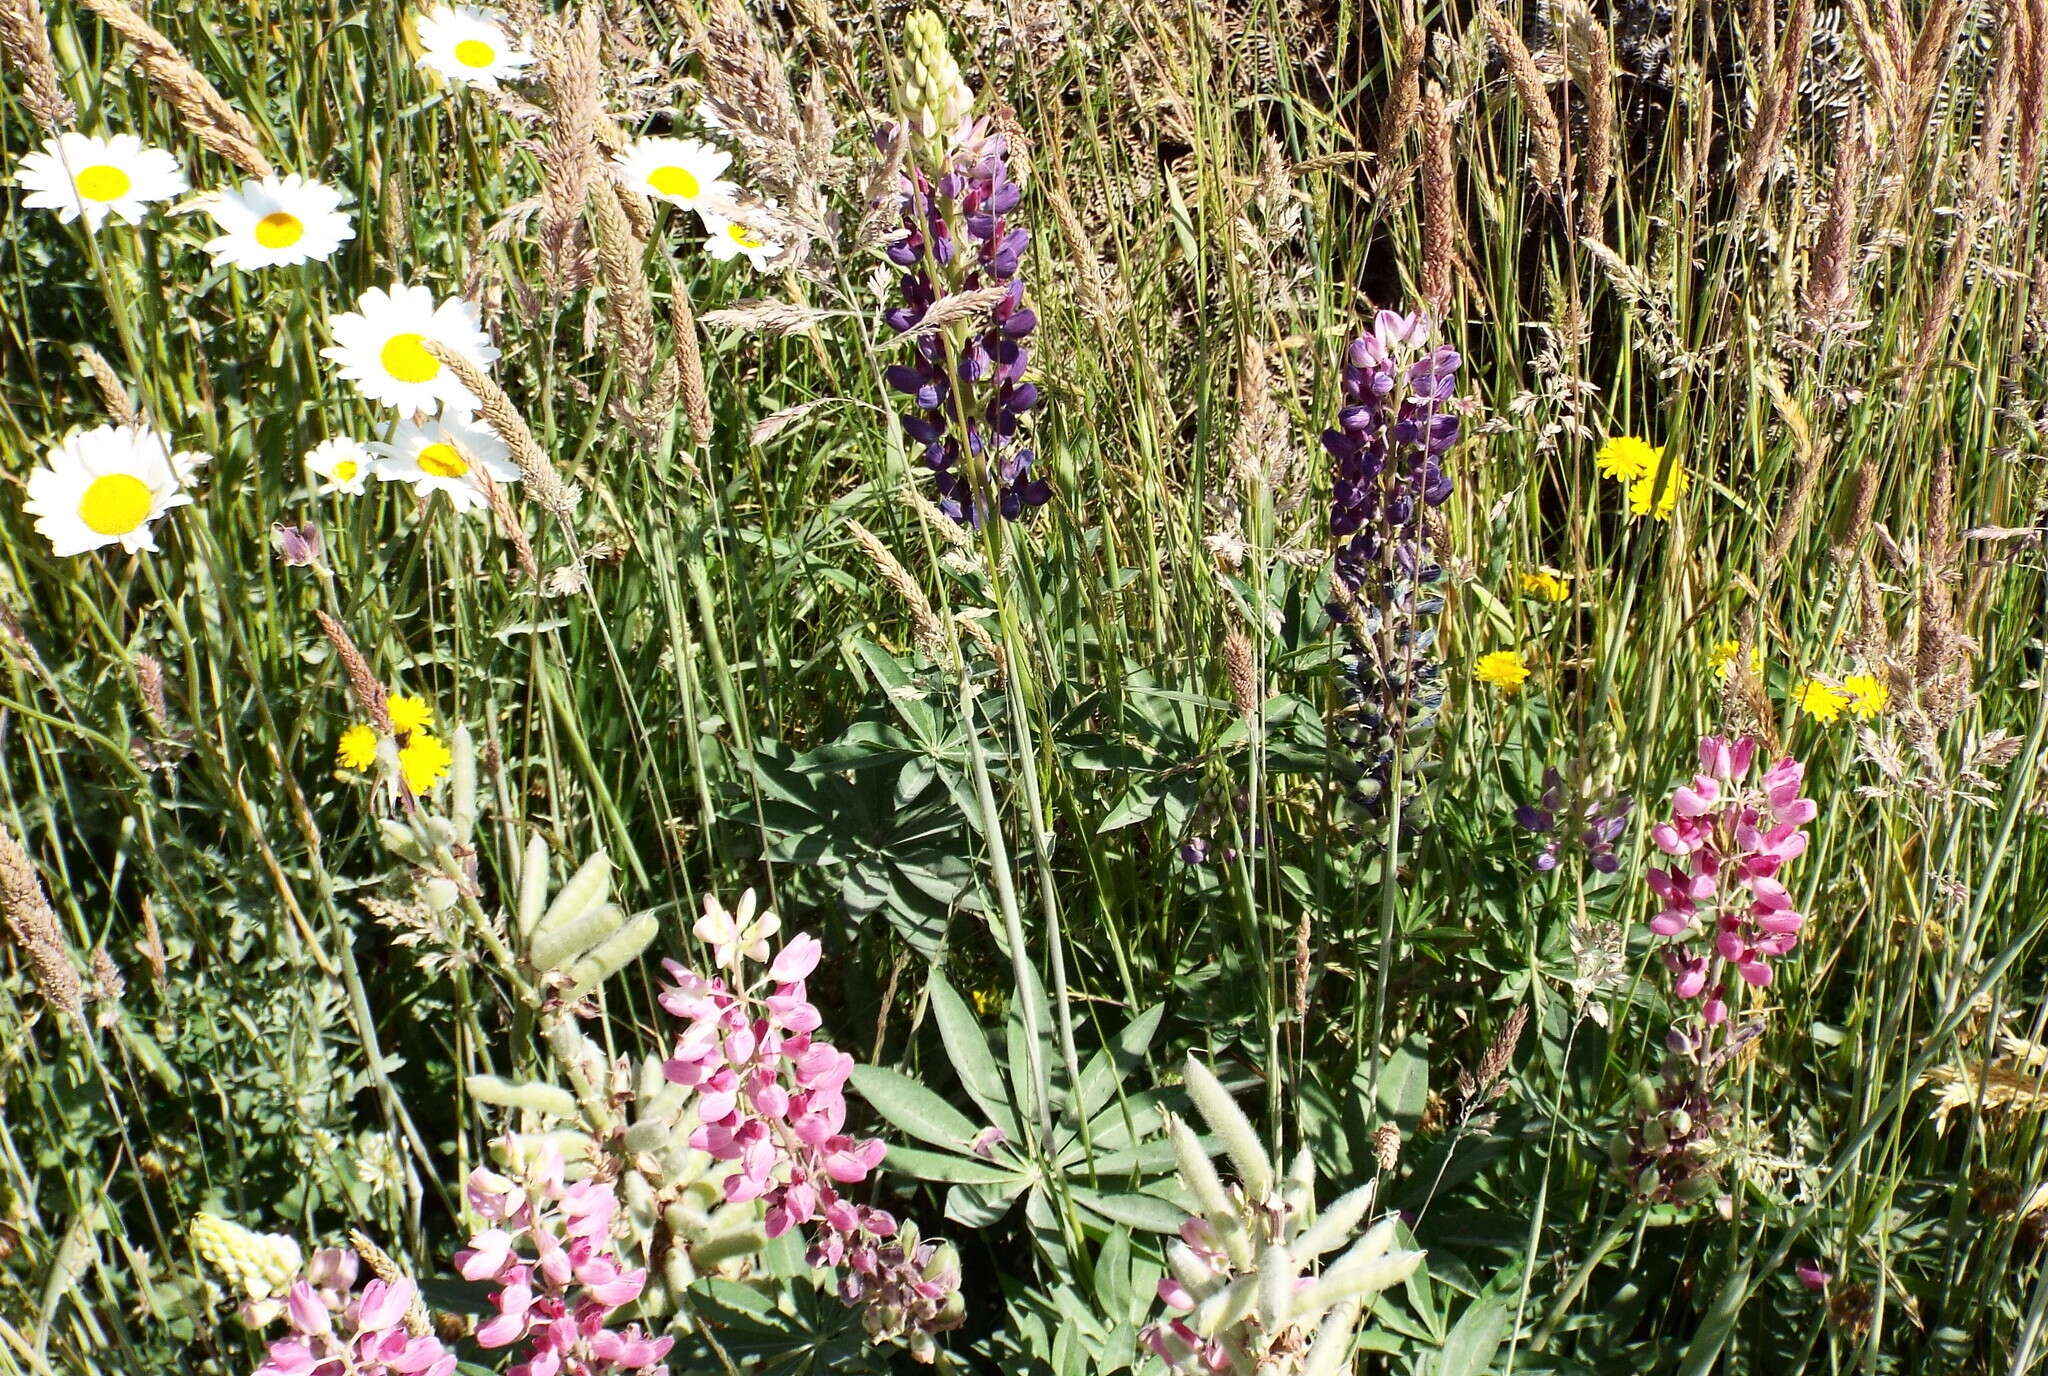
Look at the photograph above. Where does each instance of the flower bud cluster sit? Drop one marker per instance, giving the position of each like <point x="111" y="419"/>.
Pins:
<point x="260" y="1267"/>
<point x="336" y="1331"/>
<point x="1592" y="819"/>
<point x="935" y="98"/>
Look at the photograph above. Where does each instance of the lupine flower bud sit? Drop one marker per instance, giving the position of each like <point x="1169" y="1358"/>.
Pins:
<point x="257" y="1265"/>
<point x="935" y="97"/>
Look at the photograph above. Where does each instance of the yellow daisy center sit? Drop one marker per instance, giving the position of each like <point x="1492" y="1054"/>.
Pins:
<point x="280" y="229"/>
<point x="345" y="470"/>
<point x="405" y="358"/>
<point x="744" y="237"/>
<point x="103" y="183"/>
<point x="678" y="181"/>
<point x="116" y="504"/>
<point x="474" y="52"/>
<point x="442" y="461"/>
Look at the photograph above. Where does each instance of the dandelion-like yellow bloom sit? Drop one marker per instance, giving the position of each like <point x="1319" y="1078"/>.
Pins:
<point x="1547" y="584"/>
<point x="1502" y="669"/>
<point x="423" y="762"/>
<point x="1627" y="459"/>
<point x="408" y="713"/>
<point x="1820" y="700"/>
<point x="1721" y="659"/>
<point x="1658" y="497"/>
<point x="1867" y="696"/>
<point x="358" y="748"/>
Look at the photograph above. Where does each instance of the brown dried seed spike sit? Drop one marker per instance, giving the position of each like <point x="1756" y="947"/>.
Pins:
<point x="34" y="926"/>
<point x="205" y="114"/>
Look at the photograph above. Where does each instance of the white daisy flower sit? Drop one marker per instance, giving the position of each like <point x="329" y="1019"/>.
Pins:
<point x="77" y="174"/>
<point x="277" y="221"/>
<point x="443" y="454"/>
<point x="379" y="348"/>
<point x="467" y="44"/>
<point x="104" y="487"/>
<point x="729" y="239"/>
<point x="680" y="171"/>
<point x="342" y="465"/>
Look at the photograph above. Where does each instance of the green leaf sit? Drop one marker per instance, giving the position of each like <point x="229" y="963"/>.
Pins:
<point x="1138" y="1210"/>
<point x="1476" y="1337"/>
<point x="1403" y="1088"/>
<point x="952" y="1170"/>
<point x="1717" y="1324"/>
<point x="912" y="1108"/>
<point x="968" y="1050"/>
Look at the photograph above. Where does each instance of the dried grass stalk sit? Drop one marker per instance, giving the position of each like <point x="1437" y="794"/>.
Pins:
<point x="961" y="307"/>
<point x="498" y="412"/>
<point x="1404" y="101"/>
<point x="25" y="43"/>
<point x="2033" y="102"/>
<point x="508" y="524"/>
<point x="569" y="158"/>
<point x="1600" y="131"/>
<point x="1806" y="475"/>
<point x="1088" y="290"/>
<point x="628" y="301"/>
<point x="34" y="926"/>
<point x="1863" y="504"/>
<point x="1241" y="669"/>
<point x="928" y="631"/>
<point x="1439" y="203"/>
<point x="1834" y="253"/>
<point x="114" y="397"/>
<point x="766" y="317"/>
<point x="1774" y="110"/>
<point x="688" y="362"/>
<point x="368" y="688"/>
<point x="1546" y="141"/>
<point x="1925" y="70"/>
<point x="203" y="111"/>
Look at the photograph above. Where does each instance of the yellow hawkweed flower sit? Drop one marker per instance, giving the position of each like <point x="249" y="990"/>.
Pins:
<point x="1547" y="584"/>
<point x="408" y="713"/>
<point x="358" y="747"/>
<point x="1820" y="700"/>
<point x="1503" y="669"/>
<point x="1657" y="496"/>
<point x="1867" y="696"/>
<point x="1626" y="458"/>
<point x="423" y="762"/>
<point x="259" y="1265"/>
<point x="1721" y="659"/>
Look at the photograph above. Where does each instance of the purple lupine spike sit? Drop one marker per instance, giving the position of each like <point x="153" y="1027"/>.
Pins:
<point x="1393" y="430"/>
<point x="959" y="235"/>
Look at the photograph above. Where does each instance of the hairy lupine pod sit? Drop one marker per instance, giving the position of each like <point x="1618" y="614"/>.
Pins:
<point x="1227" y="1121"/>
<point x="1356" y="1278"/>
<point x="557" y="944"/>
<point x="612" y="955"/>
<point x="1275" y="1300"/>
<point x="440" y="893"/>
<point x="1335" y="1224"/>
<point x="584" y="890"/>
<point x="1331" y="1351"/>
<point x="533" y="885"/>
<point x="1393" y="432"/>
<point x="585" y="1064"/>
<point x="1197" y="1170"/>
<point x="462" y="782"/>
<point x="1299" y="1191"/>
<point x="402" y="841"/>
<point x="535" y="1096"/>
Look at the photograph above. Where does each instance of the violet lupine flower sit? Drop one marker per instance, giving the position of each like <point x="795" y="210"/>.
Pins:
<point x="1596" y="822"/>
<point x="1392" y="434"/>
<point x="1729" y="836"/>
<point x="967" y="386"/>
<point x="549" y="1250"/>
<point x="365" y="1335"/>
<point x="770" y="1097"/>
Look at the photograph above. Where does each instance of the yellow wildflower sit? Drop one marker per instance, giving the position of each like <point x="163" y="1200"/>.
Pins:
<point x="408" y="713"/>
<point x="358" y="748"/>
<point x="1658" y="497"/>
<point x="1867" y="696"/>
<point x="1626" y="458"/>
<point x="1503" y="669"/>
<point x="1722" y="657"/>
<point x="1820" y="700"/>
<point x="1547" y="584"/>
<point x="423" y="762"/>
